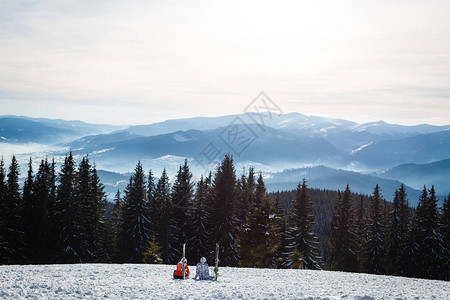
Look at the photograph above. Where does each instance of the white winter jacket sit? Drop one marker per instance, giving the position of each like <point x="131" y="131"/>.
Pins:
<point x="202" y="271"/>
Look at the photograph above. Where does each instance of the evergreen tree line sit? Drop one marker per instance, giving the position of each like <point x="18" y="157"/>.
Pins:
<point x="360" y="233"/>
<point x="57" y="218"/>
<point x="152" y="219"/>
<point x="65" y="218"/>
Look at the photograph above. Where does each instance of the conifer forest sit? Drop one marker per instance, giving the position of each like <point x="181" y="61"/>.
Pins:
<point x="63" y="216"/>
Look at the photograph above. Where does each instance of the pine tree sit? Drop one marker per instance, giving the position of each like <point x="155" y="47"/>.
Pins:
<point x="28" y="210"/>
<point x="89" y="194"/>
<point x="360" y="232"/>
<point x="103" y="238"/>
<point x="14" y="221"/>
<point x="115" y="225"/>
<point x="245" y="194"/>
<point x="67" y="216"/>
<point x="181" y="197"/>
<point x="343" y="256"/>
<point x="429" y="255"/>
<point x="85" y="212"/>
<point x="165" y="223"/>
<point x="210" y="244"/>
<point x="39" y="216"/>
<point x="445" y="232"/>
<point x="151" y="201"/>
<point x="259" y="237"/>
<point x="51" y="209"/>
<point x="223" y="215"/>
<point x="282" y="256"/>
<point x="4" y="246"/>
<point x="374" y="249"/>
<point x="245" y="208"/>
<point x="152" y="254"/>
<point x="411" y="265"/>
<point x="136" y="223"/>
<point x="397" y="238"/>
<point x="301" y="222"/>
<point x="198" y="241"/>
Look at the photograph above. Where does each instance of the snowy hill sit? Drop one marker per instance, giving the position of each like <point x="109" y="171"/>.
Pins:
<point x="115" y="281"/>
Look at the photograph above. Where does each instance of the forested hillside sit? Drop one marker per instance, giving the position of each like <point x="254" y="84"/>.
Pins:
<point x="63" y="217"/>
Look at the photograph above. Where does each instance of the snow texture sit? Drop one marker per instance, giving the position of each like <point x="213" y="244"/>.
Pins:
<point x="128" y="281"/>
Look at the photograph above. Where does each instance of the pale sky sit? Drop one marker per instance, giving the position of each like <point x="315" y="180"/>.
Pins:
<point x="138" y="62"/>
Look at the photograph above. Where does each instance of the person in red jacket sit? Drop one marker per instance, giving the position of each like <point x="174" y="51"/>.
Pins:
<point x="178" y="273"/>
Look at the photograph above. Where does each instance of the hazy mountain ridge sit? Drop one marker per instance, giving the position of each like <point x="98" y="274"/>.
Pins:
<point x="18" y="129"/>
<point x="270" y="147"/>
<point x="416" y="175"/>
<point x="423" y="148"/>
<point x="334" y="179"/>
<point x="291" y="140"/>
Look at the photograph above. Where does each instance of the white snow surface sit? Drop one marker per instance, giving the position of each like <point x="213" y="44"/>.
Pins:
<point x="140" y="281"/>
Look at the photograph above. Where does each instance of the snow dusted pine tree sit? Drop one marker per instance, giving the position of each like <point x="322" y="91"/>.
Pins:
<point x="115" y="223"/>
<point x="41" y="232"/>
<point x="165" y="226"/>
<point x="14" y="221"/>
<point x="343" y="245"/>
<point x="302" y="237"/>
<point x="136" y="222"/>
<point x="86" y="210"/>
<point x="429" y="253"/>
<point x="360" y="231"/>
<point x="374" y="255"/>
<point x="151" y="201"/>
<point x="28" y="210"/>
<point x="282" y="258"/>
<point x="223" y="212"/>
<point x="181" y="197"/>
<point x="245" y="195"/>
<point x="259" y="237"/>
<point x="102" y="242"/>
<point x="397" y="240"/>
<point x="67" y="216"/>
<point x="198" y="245"/>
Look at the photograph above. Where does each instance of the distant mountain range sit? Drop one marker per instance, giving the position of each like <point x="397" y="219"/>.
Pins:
<point x="422" y="148"/>
<point x="327" y="178"/>
<point x="274" y="148"/>
<point x="15" y="129"/>
<point x="415" y="155"/>
<point x="416" y="175"/>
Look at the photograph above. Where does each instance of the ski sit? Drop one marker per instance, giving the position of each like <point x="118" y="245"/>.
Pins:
<point x="184" y="261"/>
<point x="216" y="268"/>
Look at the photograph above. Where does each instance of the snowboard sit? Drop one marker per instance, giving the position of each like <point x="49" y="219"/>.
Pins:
<point x="216" y="267"/>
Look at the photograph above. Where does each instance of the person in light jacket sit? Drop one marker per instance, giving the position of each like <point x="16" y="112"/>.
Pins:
<point x="202" y="271"/>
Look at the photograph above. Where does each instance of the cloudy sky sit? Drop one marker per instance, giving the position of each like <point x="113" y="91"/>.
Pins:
<point x="136" y="62"/>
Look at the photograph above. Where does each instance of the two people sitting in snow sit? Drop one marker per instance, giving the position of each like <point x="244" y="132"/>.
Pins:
<point x="202" y="271"/>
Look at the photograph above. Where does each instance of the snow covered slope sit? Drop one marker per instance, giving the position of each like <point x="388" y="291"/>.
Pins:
<point x="115" y="281"/>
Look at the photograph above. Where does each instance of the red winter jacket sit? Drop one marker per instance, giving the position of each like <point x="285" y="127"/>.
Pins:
<point x="179" y="270"/>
